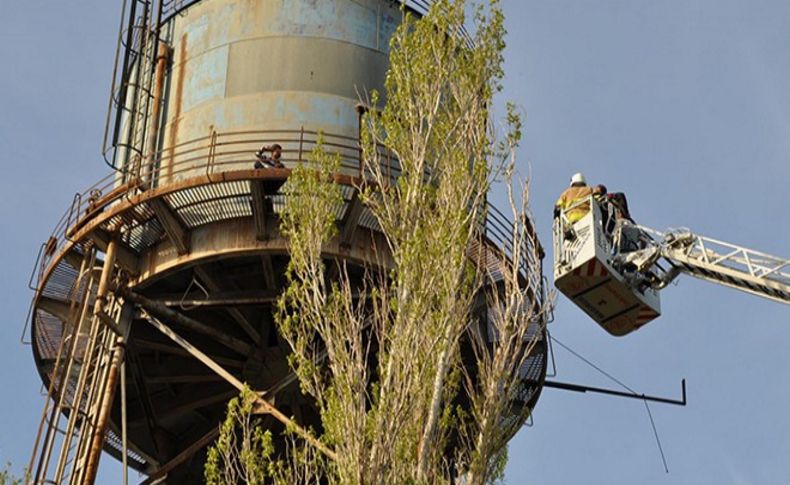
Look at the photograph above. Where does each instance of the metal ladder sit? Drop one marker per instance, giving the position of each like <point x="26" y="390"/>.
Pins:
<point x="71" y="423"/>
<point x="129" y="110"/>
<point x="724" y="263"/>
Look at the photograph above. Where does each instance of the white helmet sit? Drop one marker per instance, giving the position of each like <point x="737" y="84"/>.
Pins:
<point x="578" y="179"/>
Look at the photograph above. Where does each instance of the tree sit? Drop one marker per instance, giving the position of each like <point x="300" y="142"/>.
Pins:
<point x="383" y="357"/>
<point x="8" y="478"/>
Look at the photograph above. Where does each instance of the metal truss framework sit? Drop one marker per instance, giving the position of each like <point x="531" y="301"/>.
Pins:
<point x="106" y="237"/>
<point x="723" y="263"/>
<point x="683" y="251"/>
<point x="83" y="379"/>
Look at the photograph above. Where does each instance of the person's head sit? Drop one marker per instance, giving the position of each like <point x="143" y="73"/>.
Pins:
<point x="599" y="189"/>
<point x="277" y="151"/>
<point x="577" y="180"/>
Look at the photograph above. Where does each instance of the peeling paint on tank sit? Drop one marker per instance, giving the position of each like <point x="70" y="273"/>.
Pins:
<point x="313" y="13"/>
<point x="219" y="118"/>
<point x="237" y="114"/>
<point x="275" y="64"/>
<point x="340" y="20"/>
<point x="361" y="23"/>
<point x="256" y="20"/>
<point x="206" y="75"/>
<point x="196" y="31"/>
<point x="323" y="110"/>
<point x="232" y="21"/>
<point x="177" y="102"/>
<point x="224" y="23"/>
<point x="279" y="109"/>
<point x="273" y="110"/>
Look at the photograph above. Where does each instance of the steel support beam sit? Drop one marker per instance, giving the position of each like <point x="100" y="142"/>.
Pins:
<point x="351" y="219"/>
<point x="183" y="379"/>
<point x="260" y="208"/>
<point x="566" y="386"/>
<point x="213" y="287"/>
<point x="224" y="299"/>
<point x="174" y="227"/>
<point x="104" y="413"/>
<point x="181" y="409"/>
<point x="141" y="343"/>
<point x="180" y="458"/>
<point x="125" y="257"/>
<point x="163" y="311"/>
<point x="58" y="308"/>
<point x="266" y="406"/>
<point x="97" y="437"/>
<point x="268" y="272"/>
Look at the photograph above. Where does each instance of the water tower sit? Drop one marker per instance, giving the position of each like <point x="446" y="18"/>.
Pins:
<point x="154" y="292"/>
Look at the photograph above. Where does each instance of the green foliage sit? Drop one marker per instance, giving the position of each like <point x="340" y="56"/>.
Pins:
<point x="308" y="220"/>
<point x="243" y="452"/>
<point x="436" y="123"/>
<point x="398" y="422"/>
<point x="496" y="466"/>
<point x="8" y="478"/>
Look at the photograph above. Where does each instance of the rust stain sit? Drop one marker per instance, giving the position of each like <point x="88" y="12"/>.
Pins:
<point x="179" y="95"/>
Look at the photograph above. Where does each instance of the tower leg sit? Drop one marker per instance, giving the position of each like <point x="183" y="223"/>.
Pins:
<point x="104" y="413"/>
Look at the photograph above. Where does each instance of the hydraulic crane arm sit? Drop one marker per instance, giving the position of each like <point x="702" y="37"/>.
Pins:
<point x="716" y="261"/>
<point x="614" y="270"/>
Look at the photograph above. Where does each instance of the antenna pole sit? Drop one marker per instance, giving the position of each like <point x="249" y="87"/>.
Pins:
<point x="566" y="386"/>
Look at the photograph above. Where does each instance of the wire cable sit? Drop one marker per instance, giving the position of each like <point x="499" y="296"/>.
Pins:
<point x="658" y="440"/>
<point x="586" y="361"/>
<point x="619" y="382"/>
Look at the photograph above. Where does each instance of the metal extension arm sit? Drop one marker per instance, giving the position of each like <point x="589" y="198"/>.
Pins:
<point x="723" y="263"/>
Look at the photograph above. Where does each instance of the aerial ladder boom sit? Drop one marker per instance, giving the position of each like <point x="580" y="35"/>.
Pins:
<point x="719" y="262"/>
<point x="614" y="269"/>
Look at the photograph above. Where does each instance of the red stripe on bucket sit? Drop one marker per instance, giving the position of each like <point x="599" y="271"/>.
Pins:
<point x="645" y="314"/>
<point x="603" y="271"/>
<point x="591" y="267"/>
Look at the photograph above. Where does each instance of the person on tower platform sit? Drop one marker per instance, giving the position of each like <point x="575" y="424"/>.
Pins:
<point x="277" y="153"/>
<point x="618" y="200"/>
<point x="573" y="195"/>
<point x="608" y="215"/>
<point x="265" y="161"/>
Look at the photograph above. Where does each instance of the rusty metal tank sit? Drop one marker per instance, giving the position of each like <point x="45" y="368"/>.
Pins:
<point x="240" y="65"/>
<point x="184" y="232"/>
<point x="264" y="66"/>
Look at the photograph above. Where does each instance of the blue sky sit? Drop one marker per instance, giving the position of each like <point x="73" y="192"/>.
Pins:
<point x="682" y="104"/>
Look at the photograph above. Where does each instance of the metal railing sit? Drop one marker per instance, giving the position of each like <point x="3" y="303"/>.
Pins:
<point x="699" y="256"/>
<point x="723" y="263"/>
<point x="175" y="7"/>
<point x="562" y="224"/>
<point x="199" y="165"/>
<point x="214" y="153"/>
<point x="132" y="93"/>
<point x="723" y="254"/>
<point x="502" y="232"/>
<point x="232" y="151"/>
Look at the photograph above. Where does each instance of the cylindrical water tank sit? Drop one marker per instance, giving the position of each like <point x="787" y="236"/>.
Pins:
<point x="195" y="224"/>
<point x="265" y="65"/>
